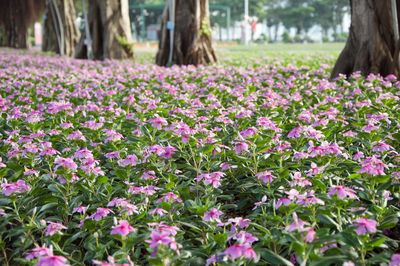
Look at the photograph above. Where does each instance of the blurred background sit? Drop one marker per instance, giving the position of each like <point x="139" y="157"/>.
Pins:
<point x="269" y="21"/>
<point x="298" y="26"/>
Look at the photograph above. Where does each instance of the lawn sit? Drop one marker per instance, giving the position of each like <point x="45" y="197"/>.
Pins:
<point x="257" y="161"/>
<point x="233" y="54"/>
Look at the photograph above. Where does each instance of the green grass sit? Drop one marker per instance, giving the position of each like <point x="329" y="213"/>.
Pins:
<point x="256" y="54"/>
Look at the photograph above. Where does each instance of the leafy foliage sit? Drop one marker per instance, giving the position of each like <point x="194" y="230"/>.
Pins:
<point x="186" y="166"/>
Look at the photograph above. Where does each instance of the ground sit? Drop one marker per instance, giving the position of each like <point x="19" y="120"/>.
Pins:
<point x="233" y="54"/>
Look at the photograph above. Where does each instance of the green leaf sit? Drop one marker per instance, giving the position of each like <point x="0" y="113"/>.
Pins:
<point x="328" y="220"/>
<point x="274" y="258"/>
<point x="329" y="260"/>
<point x="195" y="228"/>
<point x="377" y="242"/>
<point x="389" y="222"/>
<point x="102" y="180"/>
<point x="350" y="239"/>
<point x="48" y="206"/>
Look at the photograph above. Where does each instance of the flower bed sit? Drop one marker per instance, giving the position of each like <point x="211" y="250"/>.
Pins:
<point x="138" y="164"/>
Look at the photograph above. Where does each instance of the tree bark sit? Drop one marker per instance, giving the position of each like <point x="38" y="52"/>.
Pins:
<point x="53" y="31"/>
<point x="371" y="46"/>
<point x="16" y="17"/>
<point x="110" y="30"/>
<point x="192" y="35"/>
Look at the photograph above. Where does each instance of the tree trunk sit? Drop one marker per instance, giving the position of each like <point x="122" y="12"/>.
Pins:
<point x="276" y="32"/>
<point x="371" y="46"/>
<point x="269" y="31"/>
<point x="192" y="35"/>
<point x="16" y="17"/>
<point x="109" y="29"/>
<point x="53" y="30"/>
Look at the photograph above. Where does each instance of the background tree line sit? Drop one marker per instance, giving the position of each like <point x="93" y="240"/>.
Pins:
<point x="300" y="15"/>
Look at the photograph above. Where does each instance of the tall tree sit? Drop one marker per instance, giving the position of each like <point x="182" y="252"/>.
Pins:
<point x="60" y="32"/>
<point x="371" y="46"/>
<point x="109" y="31"/>
<point x="297" y="14"/>
<point x="16" y="16"/>
<point x="192" y="42"/>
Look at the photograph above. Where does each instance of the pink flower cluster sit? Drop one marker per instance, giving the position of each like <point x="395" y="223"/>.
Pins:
<point x="373" y="166"/>
<point x="123" y="228"/>
<point x="213" y="179"/>
<point x="18" y="187"/>
<point x="163" y="235"/>
<point x="45" y="257"/>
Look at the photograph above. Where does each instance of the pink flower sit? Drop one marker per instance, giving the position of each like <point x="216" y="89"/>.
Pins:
<point x="295" y="132"/>
<point x="381" y="147"/>
<point x="225" y="166"/>
<point x="300" y="181"/>
<point x="365" y="226"/>
<point x="395" y="260"/>
<point x="386" y="195"/>
<point x="169" y="197"/>
<point x="314" y="170"/>
<point x="350" y="134"/>
<point x="358" y="155"/>
<point x="66" y="163"/>
<point x="149" y="175"/>
<point x="211" y="260"/>
<point x="29" y="172"/>
<point x="53" y="228"/>
<point x="300" y="155"/>
<point x="265" y="177"/>
<point x="112" y="135"/>
<point x="373" y="166"/>
<point x="100" y="213"/>
<point x="168" y="152"/>
<point x="342" y="192"/>
<point x="239" y="221"/>
<point x="243" y="237"/>
<point x="308" y="199"/>
<point x="282" y="201"/>
<point x="260" y="203"/>
<point x="310" y="235"/>
<point x="369" y="127"/>
<point x="76" y="135"/>
<point x="241" y="147"/>
<point x="80" y="209"/>
<point x="38" y="252"/>
<point x="158" y="211"/>
<point x="130" y="160"/>
<point x="112" y="155"/>
<point x="83" y="153"/>
<point x="212" y="215"/>
<point x="213" y="179"/>
<point x="123" y="228"/>
<point x="240" y="250"/>
<point x="267" y="123"/>
<point x="18" y="187"/>
<point x="52" y="261"/>
<point x="158" y="122"/>
<point x="297" y="225"/>
<point x="164" y="238"/>
<point x="248" y="132"/>
<point x="111" y="262"/>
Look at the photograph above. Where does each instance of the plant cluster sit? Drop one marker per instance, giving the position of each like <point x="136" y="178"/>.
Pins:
<point x="110" y="163"/>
